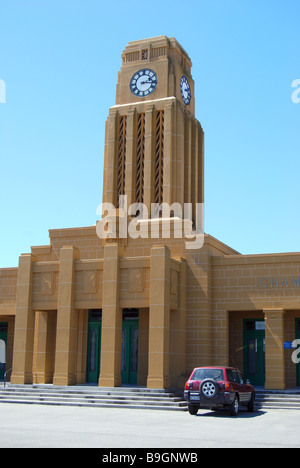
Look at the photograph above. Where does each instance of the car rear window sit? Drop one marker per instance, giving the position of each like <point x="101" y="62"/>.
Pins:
<point x="201" y="374"/>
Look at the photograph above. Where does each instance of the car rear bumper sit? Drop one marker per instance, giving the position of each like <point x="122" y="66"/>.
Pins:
<point x="197" y="399"/>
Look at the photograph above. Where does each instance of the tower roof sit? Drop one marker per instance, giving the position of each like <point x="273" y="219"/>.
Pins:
<point x="132" y="51"/>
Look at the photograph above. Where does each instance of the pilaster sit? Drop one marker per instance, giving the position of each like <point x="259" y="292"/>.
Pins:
<point x="24" y="323"/>
<point x="45" y="335"/>
<point x="67" y="320"/>
<point x="274" y="335"/>
<point x="110" y="195"/>
<point x="159" y="318"/>
<point x="111" y="342"/>
<point x="168" y="154"/>
<point x="178" y="332"/>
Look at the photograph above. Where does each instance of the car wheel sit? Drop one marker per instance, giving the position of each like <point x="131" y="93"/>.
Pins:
<point x="234" y="407"/>
<point x="209" y="388"/>
<point x="193" y="409"/>
<point x="250" y="405"/>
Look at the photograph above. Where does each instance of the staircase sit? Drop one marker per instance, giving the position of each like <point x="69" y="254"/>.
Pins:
<point x="127" y="397"/>
<point x="90" y="396"/>
<point x="276" y="399"/>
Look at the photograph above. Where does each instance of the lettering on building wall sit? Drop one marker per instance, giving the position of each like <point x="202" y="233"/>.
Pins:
<point x="277" y="282"/>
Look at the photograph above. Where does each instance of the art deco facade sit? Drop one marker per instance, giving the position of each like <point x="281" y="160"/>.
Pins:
<point x="146" y="310"/>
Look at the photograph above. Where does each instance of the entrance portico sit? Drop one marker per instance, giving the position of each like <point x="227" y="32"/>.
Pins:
<point x="155" y="366"/>
<point x="157" y="334"/>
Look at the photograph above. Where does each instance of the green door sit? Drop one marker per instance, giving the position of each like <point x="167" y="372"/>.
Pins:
<point x="3" y="344"/>
<point x="129" y="360"/>
<point x="254" y="351"/>
<point x="297" y="336"/>
<point x="94" y="346"/>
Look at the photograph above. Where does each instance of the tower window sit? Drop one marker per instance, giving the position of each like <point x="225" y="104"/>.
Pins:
<point x="145" y="54"/>
<point x="121" y="157"/>
<point x="159" y="157"/>
<point x="140" y="154"/>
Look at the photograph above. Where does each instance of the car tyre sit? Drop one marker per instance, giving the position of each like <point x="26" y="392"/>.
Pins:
<point x="209" y="388"/>
<point x="234" y="407"/>
<point x="193" y="409"/>
<point x="250" y="405"/>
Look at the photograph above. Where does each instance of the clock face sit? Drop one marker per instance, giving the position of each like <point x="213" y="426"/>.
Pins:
<point x="185" y="90"/>
<point x="143" y="82"/>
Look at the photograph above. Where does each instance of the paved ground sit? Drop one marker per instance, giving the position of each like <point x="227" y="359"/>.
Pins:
<point x="57" y="427"/>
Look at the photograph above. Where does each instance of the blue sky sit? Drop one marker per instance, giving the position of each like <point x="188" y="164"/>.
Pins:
<point x="59" y="60"/>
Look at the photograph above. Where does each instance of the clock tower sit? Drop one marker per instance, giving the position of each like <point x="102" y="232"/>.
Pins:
<point x="154" y="144"/>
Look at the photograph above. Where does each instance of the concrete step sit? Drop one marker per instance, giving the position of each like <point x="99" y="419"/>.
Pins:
<point x="95" y="397"/>
<point x="133" y="397"/>
<point x="88" y="398"/>
<point x="278" y="400"/>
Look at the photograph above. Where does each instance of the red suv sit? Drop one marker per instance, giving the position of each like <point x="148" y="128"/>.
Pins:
<point x="218" y="387"/>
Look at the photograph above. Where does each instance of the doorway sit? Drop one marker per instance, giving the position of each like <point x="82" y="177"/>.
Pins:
<point x="3" y="346"/>
<point x="130" y="340"/>
<point x="94" y="345"/>
<point x="254" y="351"/>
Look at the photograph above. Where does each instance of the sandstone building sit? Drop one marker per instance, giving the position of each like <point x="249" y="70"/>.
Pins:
<point x="145" y="310"/>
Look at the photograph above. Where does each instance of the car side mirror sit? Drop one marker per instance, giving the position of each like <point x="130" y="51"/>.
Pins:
<point x="248" y="382"/>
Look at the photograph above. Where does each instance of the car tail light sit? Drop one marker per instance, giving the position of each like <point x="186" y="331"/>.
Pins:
<point x="189" y="385"/>
<point x="226" y="386"/>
